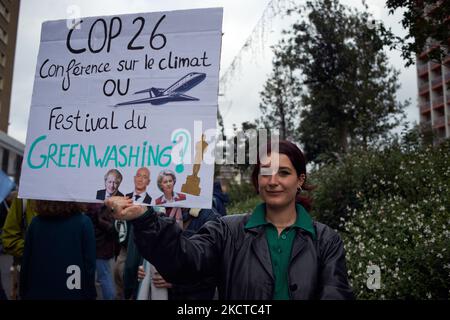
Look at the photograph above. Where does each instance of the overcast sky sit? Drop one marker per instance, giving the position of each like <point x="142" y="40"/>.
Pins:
<point x="241" y="97"/>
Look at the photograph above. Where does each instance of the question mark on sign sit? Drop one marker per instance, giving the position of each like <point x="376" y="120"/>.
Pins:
<point x="182" y="140"/>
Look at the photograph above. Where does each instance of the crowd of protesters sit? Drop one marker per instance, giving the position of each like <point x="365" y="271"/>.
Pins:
<point x="44" y="236"/>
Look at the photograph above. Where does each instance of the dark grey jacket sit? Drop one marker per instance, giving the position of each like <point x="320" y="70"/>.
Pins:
<point x="240" y="259"/>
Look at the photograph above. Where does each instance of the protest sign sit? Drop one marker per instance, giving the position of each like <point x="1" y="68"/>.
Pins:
<point x="123" y="104"/>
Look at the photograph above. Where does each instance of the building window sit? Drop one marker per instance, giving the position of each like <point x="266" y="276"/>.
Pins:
<point x="4" y="35"/>
<point x="1" y="83"/>
<point x="2" y="59"/>
<point x="4" y="11"/>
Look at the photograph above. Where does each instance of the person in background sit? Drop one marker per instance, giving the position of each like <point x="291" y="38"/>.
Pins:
<point x="139" y="195"/>
<point x="278" y="252"/>
<point x="220" y="199"/>
<point x="59" y="254"/>
<point x="107" y="247"/>
<point x="192" y="221"/>
<point x="4" y="208"/>
<point x="19" y="217"/>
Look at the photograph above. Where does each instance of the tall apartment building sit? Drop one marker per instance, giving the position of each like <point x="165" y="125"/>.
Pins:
<point x="11" y="150"/>
<point x="434" y="96"/>
<point x="433" y="80"/>
<point x="9" y="13"/>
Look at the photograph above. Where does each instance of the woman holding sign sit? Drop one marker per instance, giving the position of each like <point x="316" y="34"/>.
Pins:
<point x="277" y="252"/>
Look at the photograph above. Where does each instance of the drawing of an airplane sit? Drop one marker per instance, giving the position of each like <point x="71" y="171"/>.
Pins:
<point x="175" y="92"/>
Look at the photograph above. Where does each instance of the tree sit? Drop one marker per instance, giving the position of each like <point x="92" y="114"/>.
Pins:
<point x="425" y="21"/>
<point x="245" y="144"/>
<point x="280" y="100"/>
<point x="350" y="90"/>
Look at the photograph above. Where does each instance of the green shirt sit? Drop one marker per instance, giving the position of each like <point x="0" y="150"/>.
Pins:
<point x="280" y="247"/>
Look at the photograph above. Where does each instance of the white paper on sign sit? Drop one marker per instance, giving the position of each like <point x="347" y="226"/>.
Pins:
<point x="125" y="105"/>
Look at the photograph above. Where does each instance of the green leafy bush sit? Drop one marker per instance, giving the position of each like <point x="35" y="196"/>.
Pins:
<point x="409" y="242"/>
<point x="408" y="171"/>
<point x="240" y="193"/>
<point x="244" y="206"/>
<point x="401" y="223"/>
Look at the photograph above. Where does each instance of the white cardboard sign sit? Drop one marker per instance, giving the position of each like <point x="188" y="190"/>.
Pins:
<point x="125" y="101"/>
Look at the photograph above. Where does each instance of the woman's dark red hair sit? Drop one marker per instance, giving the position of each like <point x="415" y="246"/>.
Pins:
<point x="298" y="161"/>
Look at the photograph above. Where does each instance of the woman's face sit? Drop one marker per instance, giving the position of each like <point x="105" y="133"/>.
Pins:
<point x="167" y="185"/>
<point x="278" y="185"/>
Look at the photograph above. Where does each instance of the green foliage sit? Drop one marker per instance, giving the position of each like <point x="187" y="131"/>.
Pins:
<point x="244" y="206"/>
<point x="392" y="205"/>
<point x="344" y="185"/>
<point x="409" y="242"/>
<point x="435" y="25"/>
<point x="243" y="198"/>
<point x="240" y="192"/>
<point x="399" y="168"/>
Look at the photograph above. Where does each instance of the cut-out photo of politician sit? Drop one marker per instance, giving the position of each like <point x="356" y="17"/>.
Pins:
<point x="141" y="182"/>
<point x="113" y="179"/>
<point x="166" y="182"/>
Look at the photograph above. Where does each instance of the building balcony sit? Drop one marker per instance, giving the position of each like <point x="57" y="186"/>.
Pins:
<point x="423" y="89"/>
<point x="422" y="70"/>
<point x="447" y="77"/>
<point x="424" y="54"/>
<point x="435" y="66"/>
<point x="438" y="102"/>
<point x="424" y="108"/>
<point x="439" y="122"/>
<point x="436" y="83"/>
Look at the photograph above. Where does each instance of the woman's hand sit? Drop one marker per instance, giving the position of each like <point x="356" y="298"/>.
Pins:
<point x="122" y="208"/>
<point x="159" y="281"/>
<point x="141" y="273"/>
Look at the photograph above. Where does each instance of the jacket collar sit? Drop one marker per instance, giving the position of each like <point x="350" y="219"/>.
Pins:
<point x="258" y="220"/>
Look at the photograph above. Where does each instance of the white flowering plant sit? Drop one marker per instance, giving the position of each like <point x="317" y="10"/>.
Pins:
<point x="409" y="242"/>
<point x="392" y="207"/>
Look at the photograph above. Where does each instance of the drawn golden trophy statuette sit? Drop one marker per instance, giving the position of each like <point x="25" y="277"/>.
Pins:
<point x="192" y="184"/>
